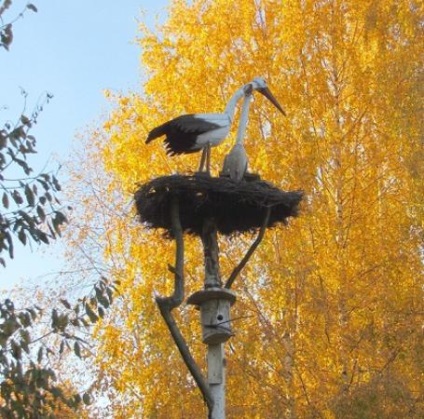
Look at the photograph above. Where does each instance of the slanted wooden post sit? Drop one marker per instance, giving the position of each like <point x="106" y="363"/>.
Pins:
<point x="214" y="303"/>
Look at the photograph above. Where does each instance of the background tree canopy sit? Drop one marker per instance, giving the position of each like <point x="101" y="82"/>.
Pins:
<point x="330" y="307"/>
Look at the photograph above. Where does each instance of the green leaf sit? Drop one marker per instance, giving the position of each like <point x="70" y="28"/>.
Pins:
<point x="58" y="220"/>
<point x="17" y="197"/>
<point x="6" y="36"/>
<point x="56" y="184"/>
<point x="55" y="319"/>
<point x="40" y="212"/>
<point x="3" y="341"/>
<point x="61" y="322"/>
<point x="32" y="139"/>
<point x="40" y="354"/>
<point x="56" y="393"/>
<point x="22" y="237"/>
<point x="29" y="194"/>
<point x="43" y="184"/>
<point x="65" y="303"/>
<point x="6" y="4"/>
<point x="32" y="312"/>
<point x="9" y="240"/>
<point x="30" y="6"/>
<point x="25" y="340"/>
<point x="77" y="349"/>
<point x="5" y="200"/>
<point x="3" y="138"/>
<point x="91" y="314"/>
<point x="25" y="319"/>
<point x="25" y="120"/>
<point x="86" y="399"/>
<point x="27" y="218"/>
<point x="101" y="298"/>
<point x="109" y="293"/>
<point x="101" y="311"/>
<point x="42" y="236"/>
<point x="16" y="350"/>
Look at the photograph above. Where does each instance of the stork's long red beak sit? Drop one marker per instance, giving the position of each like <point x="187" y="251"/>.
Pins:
<point x="267" y="93"/>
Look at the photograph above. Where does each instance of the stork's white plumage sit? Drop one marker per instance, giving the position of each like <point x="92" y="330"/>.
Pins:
<point x="235" y="162"/>
<point x="191" y="133"/>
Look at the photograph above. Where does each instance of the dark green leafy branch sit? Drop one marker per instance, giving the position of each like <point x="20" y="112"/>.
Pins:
<point x="6" y="29"/>
<point x="31" y="210"/>
<point x="29" y="385"/>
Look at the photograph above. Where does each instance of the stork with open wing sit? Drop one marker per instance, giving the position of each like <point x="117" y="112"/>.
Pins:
<point x="194" y="132"/>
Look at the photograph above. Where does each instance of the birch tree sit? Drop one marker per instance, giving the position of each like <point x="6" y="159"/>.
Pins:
<point x="329" y="308"/>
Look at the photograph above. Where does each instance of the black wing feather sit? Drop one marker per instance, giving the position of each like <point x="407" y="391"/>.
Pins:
<point x="181" y="133"/>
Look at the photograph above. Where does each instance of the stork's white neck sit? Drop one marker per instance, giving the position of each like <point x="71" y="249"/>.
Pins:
<point x="243" y="119"/>
<point x="232" y="103"/>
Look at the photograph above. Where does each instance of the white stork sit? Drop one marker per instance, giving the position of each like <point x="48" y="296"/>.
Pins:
<point x="194" y="132"/>
<point x="235" y="162"/>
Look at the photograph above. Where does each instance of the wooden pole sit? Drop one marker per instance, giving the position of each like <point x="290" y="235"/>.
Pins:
<point x="211" y="254"/>
<point x="215" y="356"/>
<point x="216" y="379"/>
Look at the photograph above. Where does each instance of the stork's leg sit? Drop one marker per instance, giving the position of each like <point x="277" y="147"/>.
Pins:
<point x="208" y="159"/>
<point x="202" y="159"/>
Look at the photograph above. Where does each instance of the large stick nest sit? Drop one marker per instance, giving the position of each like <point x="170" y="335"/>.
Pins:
<point x="236" y="207"/>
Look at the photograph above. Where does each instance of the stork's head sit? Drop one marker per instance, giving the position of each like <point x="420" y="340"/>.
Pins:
<point x="260" y="85"/>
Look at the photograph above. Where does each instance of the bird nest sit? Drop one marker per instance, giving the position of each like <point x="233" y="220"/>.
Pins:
<point x="236" y="207"/>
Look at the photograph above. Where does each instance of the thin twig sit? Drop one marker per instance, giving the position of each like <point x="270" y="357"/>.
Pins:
<point x="249" y="253"/>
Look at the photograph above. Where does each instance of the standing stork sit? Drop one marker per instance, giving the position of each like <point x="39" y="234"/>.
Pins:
<point x="235" y="162"/>
<point x="194" y="132"/>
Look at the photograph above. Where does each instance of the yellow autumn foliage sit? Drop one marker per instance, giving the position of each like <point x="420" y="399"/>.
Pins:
<point x="329" y="307"/>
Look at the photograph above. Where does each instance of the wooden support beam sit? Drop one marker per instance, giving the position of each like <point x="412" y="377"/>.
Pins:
<point x="211" y="254"/>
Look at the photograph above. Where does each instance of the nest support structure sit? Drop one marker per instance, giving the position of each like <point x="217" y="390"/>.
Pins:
<point x="204" y="206"/>
<point x="236" y="207"/>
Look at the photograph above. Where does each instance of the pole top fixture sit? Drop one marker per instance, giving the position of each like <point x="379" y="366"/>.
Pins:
<point x="214" y="305"/>
<point x="203" y="296"/>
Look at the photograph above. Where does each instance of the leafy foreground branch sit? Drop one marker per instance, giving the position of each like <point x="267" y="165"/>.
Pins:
<point x="6" y="29"/>
<point x="31" y="210"/>
<point x="29" y="387"/>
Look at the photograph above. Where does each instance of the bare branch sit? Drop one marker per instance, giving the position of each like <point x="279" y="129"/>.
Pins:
<point x="179" y="340"/>
<point x="249" y="253"/>
<point x="178" y="296"/>
<point x="167" y="304"/>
